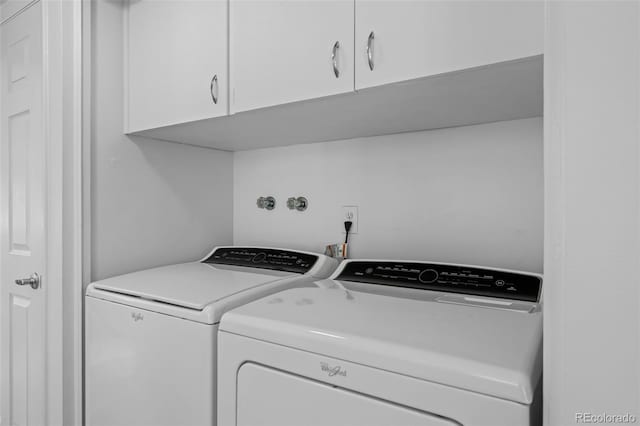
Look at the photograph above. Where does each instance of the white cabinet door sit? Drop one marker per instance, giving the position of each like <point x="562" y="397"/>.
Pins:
<point x="23" y="309"/>
<point x="281" y="51"/>
<point x="176" y="61"/>
<point x="417" y="38"/>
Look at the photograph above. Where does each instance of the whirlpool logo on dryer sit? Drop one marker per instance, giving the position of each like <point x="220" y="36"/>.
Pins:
<point x="333" y="371"/>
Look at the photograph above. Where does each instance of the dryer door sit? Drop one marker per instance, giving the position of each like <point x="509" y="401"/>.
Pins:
<point x="268" y="397"/>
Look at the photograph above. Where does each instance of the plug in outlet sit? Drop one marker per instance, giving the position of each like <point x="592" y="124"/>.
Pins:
<point x="350" y="213"/>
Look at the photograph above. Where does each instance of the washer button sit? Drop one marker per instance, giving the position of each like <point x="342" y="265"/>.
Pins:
<point x="428" y="276"/>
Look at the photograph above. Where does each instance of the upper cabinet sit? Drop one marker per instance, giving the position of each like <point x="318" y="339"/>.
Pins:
<point x="405" y="39"/>
<point x="365" y="68"/>
<point x="176" y="62"/>
<point x="284" y="51"/>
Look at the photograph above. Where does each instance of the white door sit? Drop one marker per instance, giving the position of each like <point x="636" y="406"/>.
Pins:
<point x="22" y="252"/>
<point x="408" y="39"/>
<point x="176" y="61"/>
<point x="289" y="50"/>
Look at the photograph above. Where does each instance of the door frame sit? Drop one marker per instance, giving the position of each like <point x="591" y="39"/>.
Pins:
<point x="63" y="91"/>
<point x="62" y="125"/>
<point x="65" y="208"/>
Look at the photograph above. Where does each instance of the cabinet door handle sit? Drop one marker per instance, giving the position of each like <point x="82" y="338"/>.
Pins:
<point x="334" y="59"/>
<point x="214" y="94"/>
<point x="370" y="49"/>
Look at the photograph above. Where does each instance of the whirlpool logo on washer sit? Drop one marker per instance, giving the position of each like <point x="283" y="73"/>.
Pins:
<point x="333" y="371"/>
<point x="137" y="316"/>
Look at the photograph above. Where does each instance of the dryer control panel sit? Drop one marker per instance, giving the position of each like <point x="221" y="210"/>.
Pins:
<point x="446" y="278"/>
<point x="252" y="257"/>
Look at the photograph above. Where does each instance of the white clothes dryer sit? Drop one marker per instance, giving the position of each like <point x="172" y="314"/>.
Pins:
<point x="151" y="336"/>
<point x="387" y="343"/>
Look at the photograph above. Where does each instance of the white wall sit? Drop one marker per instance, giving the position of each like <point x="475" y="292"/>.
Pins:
<point x="153" y="202"/>
<point x="592" y="216"/>
<point x="469" y="194"/>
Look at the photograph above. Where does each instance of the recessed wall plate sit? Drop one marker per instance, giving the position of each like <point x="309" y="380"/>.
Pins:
<point x="350" y="213"/>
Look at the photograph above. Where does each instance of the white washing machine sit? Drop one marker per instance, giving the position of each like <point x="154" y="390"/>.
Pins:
<point x="389" y="343"/>
<point x="151" y="335"/>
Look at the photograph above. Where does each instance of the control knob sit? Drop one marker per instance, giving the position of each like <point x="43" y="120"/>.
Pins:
<point x="428" y="276"/>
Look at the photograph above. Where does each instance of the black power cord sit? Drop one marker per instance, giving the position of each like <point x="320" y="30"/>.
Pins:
<point x="347" y="228"/>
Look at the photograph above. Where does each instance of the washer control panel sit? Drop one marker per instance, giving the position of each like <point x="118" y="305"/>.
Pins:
<point x="264" y="258"/>
<point x="445" y="277"/>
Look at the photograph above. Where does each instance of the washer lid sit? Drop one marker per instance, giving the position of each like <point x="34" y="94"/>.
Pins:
<point x="189" y="285"/>
<point x="495" y="352"/>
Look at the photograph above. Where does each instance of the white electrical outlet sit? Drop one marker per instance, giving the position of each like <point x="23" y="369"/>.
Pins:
<point x="350" y="213"/>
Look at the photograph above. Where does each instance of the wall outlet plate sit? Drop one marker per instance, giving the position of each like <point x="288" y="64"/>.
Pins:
<point x="350" y="213"/>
